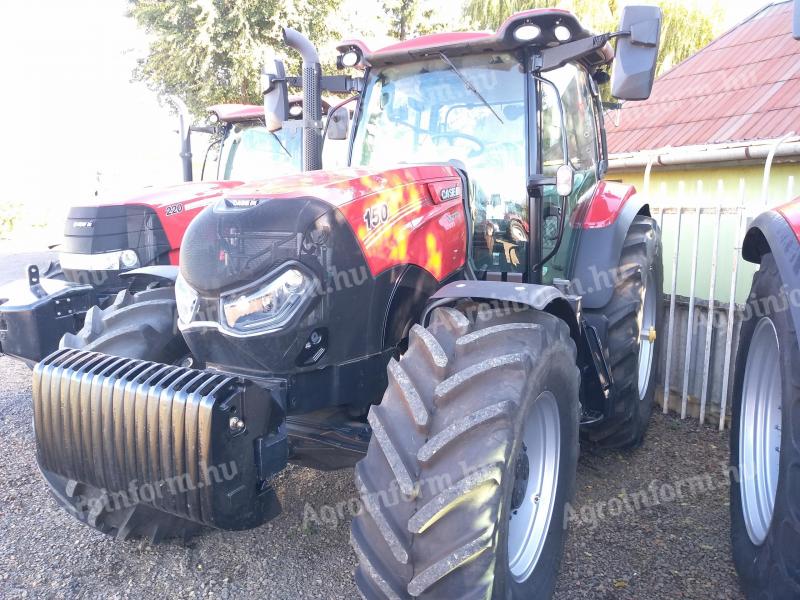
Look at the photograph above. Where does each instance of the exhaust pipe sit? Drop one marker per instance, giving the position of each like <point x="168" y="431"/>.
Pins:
<point x="312" y="98"/>
<point x="184" y="129"/>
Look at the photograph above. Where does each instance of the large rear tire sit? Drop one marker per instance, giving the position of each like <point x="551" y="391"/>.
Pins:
<point x="141" y="326"/>
<point x="634" y="316"/>
<point x="765" y="444"/>
<point x="472" y="460"/>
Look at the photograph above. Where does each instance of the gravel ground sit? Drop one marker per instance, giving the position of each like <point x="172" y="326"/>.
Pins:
<point x="676" y="548"/>
<point x="652" y="523"/>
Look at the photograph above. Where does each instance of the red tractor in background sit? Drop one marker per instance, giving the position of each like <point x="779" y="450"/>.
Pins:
<point x="389" y="315"/>
<point x="765" y="431"/>
<point x="106" y="244"/>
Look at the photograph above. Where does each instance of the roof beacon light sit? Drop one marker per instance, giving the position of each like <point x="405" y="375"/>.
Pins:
<point x="527" y="32"/>
<point x="562" y="33"/>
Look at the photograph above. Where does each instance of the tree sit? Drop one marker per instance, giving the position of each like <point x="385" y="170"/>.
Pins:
<point x="211" y="51"/>
<point x="402" y="15"/>
<point x="412" y="18"/>
<point x="685" y="28"/>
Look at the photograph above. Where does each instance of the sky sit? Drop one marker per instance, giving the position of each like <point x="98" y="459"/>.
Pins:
<point x="76" y="121"/>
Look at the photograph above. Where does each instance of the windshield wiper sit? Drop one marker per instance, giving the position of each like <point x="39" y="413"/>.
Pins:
<point x="468" y="84"/>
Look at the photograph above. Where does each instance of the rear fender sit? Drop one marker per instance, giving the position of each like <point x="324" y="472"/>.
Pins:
<point x="778" y="231"/>
<point x="601" y="229"/>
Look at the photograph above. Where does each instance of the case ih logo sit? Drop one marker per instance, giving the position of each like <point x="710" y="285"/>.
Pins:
<point x="83" y="224"/>
<point x="450" y="193"/>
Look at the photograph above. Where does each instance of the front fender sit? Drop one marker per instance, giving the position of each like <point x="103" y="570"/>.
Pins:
<point x="540" y="297"/>
<point x="161" y="275"/>
<point x="601" y="230"/>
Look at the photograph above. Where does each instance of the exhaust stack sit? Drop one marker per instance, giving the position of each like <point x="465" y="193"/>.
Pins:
<point x="312" y="98"/>
<point x="184" y="127"/>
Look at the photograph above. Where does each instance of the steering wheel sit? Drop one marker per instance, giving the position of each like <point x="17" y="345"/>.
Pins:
<point x="456" y="134"/>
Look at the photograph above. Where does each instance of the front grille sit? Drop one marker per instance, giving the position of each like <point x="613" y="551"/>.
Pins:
<point x="120" y="424"/>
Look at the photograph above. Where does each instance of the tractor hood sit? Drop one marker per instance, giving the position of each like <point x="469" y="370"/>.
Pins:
<point x="326" y="220"/>
<point x="162" y="197"/>
<point x="152" y="223"/>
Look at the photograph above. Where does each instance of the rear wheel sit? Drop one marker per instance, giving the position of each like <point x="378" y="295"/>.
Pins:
<point x="634" y="316"/>
<point x="141" y="326"/>
<point x="472" y="461"/>
<point x="765" y="444"/>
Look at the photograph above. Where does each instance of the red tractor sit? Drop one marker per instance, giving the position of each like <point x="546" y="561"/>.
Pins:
<point x="384" y="315"/>
<point x="765" y="432"/>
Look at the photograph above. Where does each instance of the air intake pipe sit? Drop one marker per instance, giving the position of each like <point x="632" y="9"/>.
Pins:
<point x="312" y="98"/>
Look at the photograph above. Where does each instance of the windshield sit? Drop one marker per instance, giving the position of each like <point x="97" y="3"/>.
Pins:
<point x="469" y="109"/>
<point x="251" y="151"/>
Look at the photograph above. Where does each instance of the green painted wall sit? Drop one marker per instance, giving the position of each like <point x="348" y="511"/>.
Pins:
<point x="719" y="186"/>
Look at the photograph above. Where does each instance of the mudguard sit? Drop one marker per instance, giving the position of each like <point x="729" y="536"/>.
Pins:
<point x="163" y="275"/>
<point x="601" y="227"/>
<point x="540" y="297"/>
<point x="778" y="231"/>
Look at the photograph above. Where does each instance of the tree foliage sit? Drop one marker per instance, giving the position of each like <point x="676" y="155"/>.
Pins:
<point x="411" y="18"/>
<point x="685" y="28"/>
<point x="211" y="51"/>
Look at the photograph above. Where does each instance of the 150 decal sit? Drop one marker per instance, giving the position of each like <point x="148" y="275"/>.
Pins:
<point x="376" y="215"/>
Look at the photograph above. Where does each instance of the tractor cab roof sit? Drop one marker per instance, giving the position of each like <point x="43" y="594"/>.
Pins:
<point x="240" y="113"/>
<point x="531" y="28"/>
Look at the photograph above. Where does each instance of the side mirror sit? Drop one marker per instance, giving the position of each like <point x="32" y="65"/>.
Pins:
<point x="637" y="53"/>
<point x="338" y="124"/>
<point x="796" y="20"/>
<point x="565" y="180"/>
<point x="276" y="94"/>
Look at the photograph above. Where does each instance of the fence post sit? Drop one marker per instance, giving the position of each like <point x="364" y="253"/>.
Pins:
<point x="690" y="321"/>
<point x="670" y="336"/>
<point x="732" y="308"/>
<point x="711" y="292"/>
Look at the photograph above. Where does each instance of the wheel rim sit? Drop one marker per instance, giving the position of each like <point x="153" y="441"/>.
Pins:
<point x="535" y="486"/>
<point x="760" y="430"/>
<point x="647" y="342"/>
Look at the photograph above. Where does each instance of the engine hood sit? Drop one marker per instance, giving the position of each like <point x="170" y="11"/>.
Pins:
<point x="327" y="220"/>
<point x="161" y="197"/>
<point x="342" y="186"/>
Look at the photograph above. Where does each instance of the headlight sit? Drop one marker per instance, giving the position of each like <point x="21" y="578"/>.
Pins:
<point x="186" y="300"/>
<point x="128" y="259"/>
<point x="271" y="306"/>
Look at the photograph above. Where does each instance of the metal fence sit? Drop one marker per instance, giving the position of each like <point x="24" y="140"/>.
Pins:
<point x="706" y="285"/>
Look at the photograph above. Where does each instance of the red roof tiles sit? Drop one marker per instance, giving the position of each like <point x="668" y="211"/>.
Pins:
<point x="743" y="86"/>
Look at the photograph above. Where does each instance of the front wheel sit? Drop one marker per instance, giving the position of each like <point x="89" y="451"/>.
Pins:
<point x="765" y="444"/>
<point x="142" y="326"/>
<point x="472" y="460"/>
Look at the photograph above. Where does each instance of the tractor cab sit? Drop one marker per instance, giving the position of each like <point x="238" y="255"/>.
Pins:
<point x="519" y="111"/>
